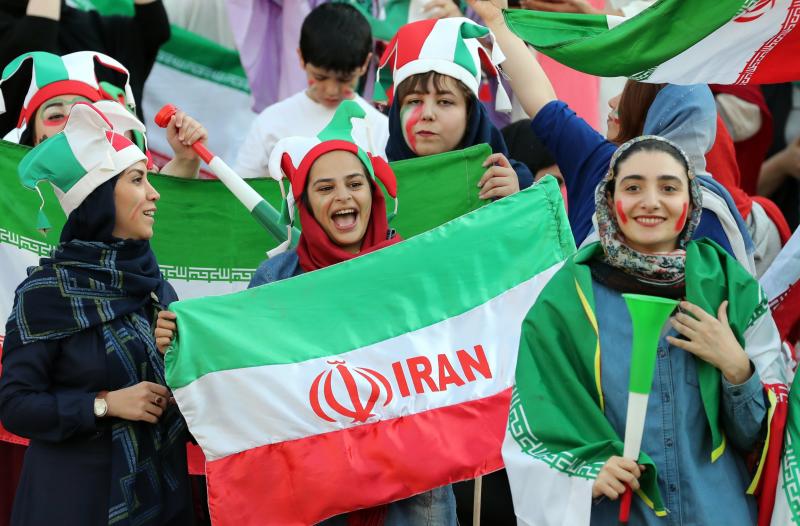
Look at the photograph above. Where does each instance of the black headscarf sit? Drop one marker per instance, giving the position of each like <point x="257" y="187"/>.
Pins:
<point x="479" y="130"/>
<point x="89" y="265"/>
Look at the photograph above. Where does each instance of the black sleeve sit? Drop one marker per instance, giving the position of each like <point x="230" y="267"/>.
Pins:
<point x="31" y="406"/>
<point x="152" y="25"/>
<point x="27" y="33"/>
<point x="134" y="41"/>
<point x="20" y="35"/>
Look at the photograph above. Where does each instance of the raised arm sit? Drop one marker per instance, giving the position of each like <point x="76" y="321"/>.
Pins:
<point x="528" y="80"/>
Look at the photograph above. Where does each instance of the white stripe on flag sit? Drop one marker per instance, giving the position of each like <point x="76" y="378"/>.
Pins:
<point x="223" y="110"/>
<point x="15" y="262"/>
<point x="732" y="46"/>
<point x="542" y="495"/>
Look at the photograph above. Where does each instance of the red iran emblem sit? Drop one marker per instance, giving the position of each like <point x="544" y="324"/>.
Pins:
<point x="755" y="11"/>
<point x="356" y="380"/>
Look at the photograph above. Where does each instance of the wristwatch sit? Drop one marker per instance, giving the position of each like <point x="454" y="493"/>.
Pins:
<point x="100" y="404"/>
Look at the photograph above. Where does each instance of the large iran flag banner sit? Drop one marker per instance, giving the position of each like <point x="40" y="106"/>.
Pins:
<point x="674" y="41"/>
<point x="371" y="380"/>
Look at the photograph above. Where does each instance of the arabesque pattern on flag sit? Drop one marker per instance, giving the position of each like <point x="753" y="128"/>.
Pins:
<point x="674" y="41"/>
<point x="396" y="375"/>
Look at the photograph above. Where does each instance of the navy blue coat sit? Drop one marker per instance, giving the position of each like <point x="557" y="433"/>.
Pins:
<point x="47" y="393"/>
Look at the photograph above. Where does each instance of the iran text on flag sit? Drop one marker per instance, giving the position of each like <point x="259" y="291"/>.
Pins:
<point x="675" y="41"/>
<point x="371" y="380"/>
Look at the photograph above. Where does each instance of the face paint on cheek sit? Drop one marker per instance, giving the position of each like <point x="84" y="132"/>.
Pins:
<point x="347" y="93"/>
<point x="410" y="117"/>
<point x="682" y="219"/>
<point x="620" y="213"/>
<point x="61" y="121"/>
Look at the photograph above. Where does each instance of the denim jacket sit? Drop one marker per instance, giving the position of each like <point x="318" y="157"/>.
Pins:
<point x="695" y="490"/>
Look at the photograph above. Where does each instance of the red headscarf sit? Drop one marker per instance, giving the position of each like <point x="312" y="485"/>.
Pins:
<point x="721" y="163"/>
<point x="315" y="249"/>
<point x="750" y="153"/>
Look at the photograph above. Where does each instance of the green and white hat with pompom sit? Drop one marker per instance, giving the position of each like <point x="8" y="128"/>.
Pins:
<point x="77" y="160"/>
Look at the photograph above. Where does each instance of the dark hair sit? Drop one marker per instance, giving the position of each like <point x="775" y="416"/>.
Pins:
<point x="649" y="145"/>
<point x="525" y="146"/>
<point x="26" y="137"/>
<point x="419" y="84"/>
<point x="337" y="37"/>
<point x="636" y="99"/>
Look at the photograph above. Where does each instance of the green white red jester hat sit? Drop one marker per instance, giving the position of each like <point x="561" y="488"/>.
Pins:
<point x="47" y="75"/>
<point x="449" y="46"/>
<point x="292" y="158"/>
<point x="87" y="153"/>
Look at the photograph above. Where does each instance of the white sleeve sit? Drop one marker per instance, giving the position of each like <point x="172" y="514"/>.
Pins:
<point x="253" y="158"/>
<point x="762" y="343"/>
<point x="381" y="138"/>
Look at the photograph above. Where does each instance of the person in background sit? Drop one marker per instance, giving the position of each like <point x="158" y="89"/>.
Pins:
<point x="434" y="104"/>
<point x="524" y="146"/>
<point x="335" y="48"/>
<point x="675" y="112"/>
<point x="780" y="174"/>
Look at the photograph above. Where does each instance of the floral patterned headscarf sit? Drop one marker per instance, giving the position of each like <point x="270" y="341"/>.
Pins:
<point x="663" y="268"/>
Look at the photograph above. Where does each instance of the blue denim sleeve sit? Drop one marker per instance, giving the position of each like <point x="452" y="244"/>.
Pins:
<point x="581" y="153"/>
<point x="261" y="276"/>
<point x="743" y="411"/>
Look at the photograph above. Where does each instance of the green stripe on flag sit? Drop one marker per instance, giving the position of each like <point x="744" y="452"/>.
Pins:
<point x="197" y="56"/>
<point x="584" y="42"/>
<point x="414" y="284"/>
<point x="202" y="232"/>
<point x="436" y="188"/>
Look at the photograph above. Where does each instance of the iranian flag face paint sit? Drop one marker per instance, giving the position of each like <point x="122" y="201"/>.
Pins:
<point x="328" y="87"/>
<point x="682" y="219"/>
<point x="623" y="219"/>
<point x="410" y="115"/>
<point x="51" y="117"/>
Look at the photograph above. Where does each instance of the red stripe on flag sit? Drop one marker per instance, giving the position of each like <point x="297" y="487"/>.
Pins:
<point x="307" y="480"/>
<point x="778" y="59"/>
<point x="772" y="464"/>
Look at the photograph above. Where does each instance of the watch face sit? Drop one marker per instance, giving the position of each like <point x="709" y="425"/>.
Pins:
<point x="100" y="407"/>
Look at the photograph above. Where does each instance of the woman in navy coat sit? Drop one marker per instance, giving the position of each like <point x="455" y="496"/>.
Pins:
<point x="82" y="377"/>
